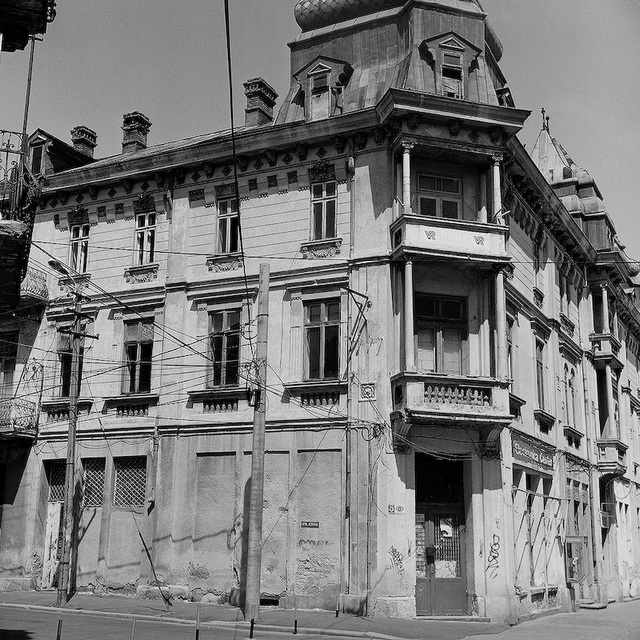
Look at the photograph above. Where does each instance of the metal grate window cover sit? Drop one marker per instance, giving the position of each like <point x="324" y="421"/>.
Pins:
<point x="131" y="477"/>
<point x="93" y="482"/>
<point x="55" y="476"/>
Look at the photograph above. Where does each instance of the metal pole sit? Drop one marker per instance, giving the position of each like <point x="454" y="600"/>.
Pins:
<point x="69" y="481"/>
<point x="252" y="600"/>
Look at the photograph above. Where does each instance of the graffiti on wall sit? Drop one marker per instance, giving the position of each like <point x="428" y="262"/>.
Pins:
<point x="493" y="557"/>
<point x="396" y="560"/>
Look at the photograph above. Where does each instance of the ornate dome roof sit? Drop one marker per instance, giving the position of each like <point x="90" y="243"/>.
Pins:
<point x="312" y="14"/>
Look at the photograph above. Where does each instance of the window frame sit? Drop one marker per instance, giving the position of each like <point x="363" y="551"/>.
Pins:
<point x="539" y="359"/>
<point x="320" y="204"/>
<point x="309" y="328"/>
<point x="79" y="247"/>
<point x="119" y="462"/>
<point x="228" y="240"/>
<point x="131" y="382"/>
<point x="9" y="341"/>
<point x="440" y="196"/>
<point x="439" y="324"/>
<point x="145" y="238"/>
<point x="227" y="331"/>
<point x="450" y="69"/>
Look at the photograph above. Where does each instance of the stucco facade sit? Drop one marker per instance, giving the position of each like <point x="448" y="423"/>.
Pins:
<point x="440" y="432"/>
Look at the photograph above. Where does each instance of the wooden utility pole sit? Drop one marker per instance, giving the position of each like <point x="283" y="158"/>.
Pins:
<point x="254" y="551"/>
<point x="70" y="473"/>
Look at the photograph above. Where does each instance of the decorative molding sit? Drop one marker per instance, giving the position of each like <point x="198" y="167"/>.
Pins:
<point x="141" y="273"/>
<point x="225" y="262"/>
<point x="367" y="391"/>
<point x="327" y="248"/>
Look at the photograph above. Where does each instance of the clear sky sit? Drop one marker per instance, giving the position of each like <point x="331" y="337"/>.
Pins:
<point x="99" y="60"/>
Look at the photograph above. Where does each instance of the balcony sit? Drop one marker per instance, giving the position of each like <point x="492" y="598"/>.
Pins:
<point x="431" y="398"/>
<point x="33" y="288"/>
<point x="612" y="456"/>
<point x="18" y="419"/>
<point x="605" y="348"/>
<point x="479" y="244"/>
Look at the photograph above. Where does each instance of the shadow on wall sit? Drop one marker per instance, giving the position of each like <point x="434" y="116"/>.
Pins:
<point x="237" y="596"/>
<point x="15" y="634"/>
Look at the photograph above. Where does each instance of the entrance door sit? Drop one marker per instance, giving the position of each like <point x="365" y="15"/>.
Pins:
<point x="52" y="544"/>
<point x="441" y="585"/>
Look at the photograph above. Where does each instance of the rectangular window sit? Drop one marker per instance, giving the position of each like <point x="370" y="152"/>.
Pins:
<point x="8" y="354"/>
<point x="224" y="344"/>
<point x="66" y="360"/>
<point x="510" y="368"/>
<point x="441" y="336"/>
<point x="452" y="76"/>
<point x="138" y="349"/>
<point x="322" y="339"/>
<point x="540" y="372"/>
<point x="36" y="159"/>
<point x="93" y="482"/>
<point x="145" y="237"/>
<point x="79" y="257"/>
<point x="440" y="196"/>
<point x="323" y="210"/>
<point x="228" y="226"/>
<point x="130" y="481"/>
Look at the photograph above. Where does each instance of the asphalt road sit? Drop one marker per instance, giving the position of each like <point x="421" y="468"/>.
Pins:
<point x="617" y="622"/>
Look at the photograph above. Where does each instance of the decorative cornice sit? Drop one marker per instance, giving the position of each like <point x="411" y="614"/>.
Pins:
<point x="141" y="273"/>
<point x="327" y="248"/>
<point x="225" y="262"/>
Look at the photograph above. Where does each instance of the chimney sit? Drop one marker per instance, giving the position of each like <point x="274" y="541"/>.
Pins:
<point x="135" y="127"/>
<point x="84" y="140"/>
<point x="261" y="98"/>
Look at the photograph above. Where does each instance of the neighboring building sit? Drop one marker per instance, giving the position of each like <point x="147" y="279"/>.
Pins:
<point x="443" y="434"/>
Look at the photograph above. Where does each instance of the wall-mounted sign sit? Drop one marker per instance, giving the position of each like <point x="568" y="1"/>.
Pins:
<point x="395" y="509"/>
<point x="533" y="455"/>
<point x="305" y="524"/>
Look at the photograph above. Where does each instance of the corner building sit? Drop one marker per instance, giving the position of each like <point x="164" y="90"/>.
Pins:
<point x="432" y="402"/>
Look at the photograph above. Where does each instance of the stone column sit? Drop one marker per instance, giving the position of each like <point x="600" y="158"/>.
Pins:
<point x="611" y="430"/>
<point x="409" y="355"/>
<point x="482" y="211"/>
<point x="497" y="196"/>
<point x="501" y="326"/>
<point x="605" y="310"/>
<point x="406" y="178"/>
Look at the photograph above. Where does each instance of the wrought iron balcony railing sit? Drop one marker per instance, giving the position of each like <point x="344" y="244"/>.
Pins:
<point x="18" y="417"/>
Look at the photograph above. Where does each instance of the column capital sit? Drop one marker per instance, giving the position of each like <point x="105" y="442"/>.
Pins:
<point x="407" y="146"/>
<point x="497" y="157"/>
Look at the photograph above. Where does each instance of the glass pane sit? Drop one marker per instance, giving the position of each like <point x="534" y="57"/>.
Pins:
<point x="216" y="322"/>
<point x="447" y="534"/>
<point x="151" y="237"/>
<point x="216" y="356"/>
<point x="132" y="368"/>
<point x="313" y="353"/>
<point x="233" y="352"/>
<point x="451" y="351"/>
<point x="233" y="205"/>
<point x="223" y="206"/>
<point x="146" y="332"/>
<point x="451" y="309"/>
<point x="234" y="234"/>
<point x="449" y="209"/>
<point x="331" y="351"/>
<point x="426" y="347"/>
<point x="314" y="312"/>
<point x="222" y="235"/>
<point x="330" y="189"/>
<point x="428" y="206"/>
<point x="75" y="232"/>
<point x="317" y="221"/>
<point x="316" y="190"/>
<point x="333" y="311"/>
<point x="331" y="219"/>
<point x="145" y="368"/>
<point x="426" y="182"/>
<point x="152" y="219"/>
<point x="450" y="185"/>
<point x="233" y="320"/>
<point x="140" y="220"/>
<point x="140" y="247"/>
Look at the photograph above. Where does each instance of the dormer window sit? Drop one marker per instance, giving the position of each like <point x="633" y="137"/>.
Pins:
<point x="322" y="82"/>
<point x="452" y="76"/>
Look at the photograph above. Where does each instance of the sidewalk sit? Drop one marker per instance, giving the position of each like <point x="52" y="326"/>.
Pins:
<point x="315" y="622"/>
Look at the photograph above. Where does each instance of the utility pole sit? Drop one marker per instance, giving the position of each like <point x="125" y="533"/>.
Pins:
<point x="254" y="551"/>
<point x="77" y="336"/>
<point x="70" y="473"/>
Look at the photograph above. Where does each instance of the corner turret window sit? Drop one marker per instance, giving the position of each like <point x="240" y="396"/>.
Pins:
<point x="440" y="196"/>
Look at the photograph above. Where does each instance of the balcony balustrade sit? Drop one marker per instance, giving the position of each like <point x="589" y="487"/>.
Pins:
<point x="612" y="456"/>
<point x="431" y="398"/>
<point x="18" y="418"/>
<point x="34" y="286"/>
<point x="448" y="239"/>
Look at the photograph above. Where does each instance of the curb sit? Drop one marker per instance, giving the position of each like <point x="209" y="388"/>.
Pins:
<point x="273" y="628"/>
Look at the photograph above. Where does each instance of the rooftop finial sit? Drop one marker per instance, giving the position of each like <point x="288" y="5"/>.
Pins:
<point x="544" y="124"/>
